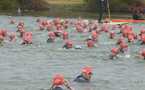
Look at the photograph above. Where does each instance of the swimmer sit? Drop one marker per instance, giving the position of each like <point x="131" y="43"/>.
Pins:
<point x="12" y="21"/>
<point x="94" y="38"/>
<point x="1" y="40"/>
<point x="4" y="33"/>
<point x="85" y="75"/>
<point x="51" y="37"/>
<point x="130" y="38"/>
<point x="113" y="54"/>
<point x="41" y="27"/>
<point x="38" y="19"/>
<point x="13" y="37"/>
<point x="113" y="27"/>
<point x="68" y="45"/>
<point x="123" y="47"/>
<point x="65" y="35"/>
<point x="59" y="82"/>
<point x="19" y="28"/>
<point x="98" y="31"/>
<point x="22" y="34"/>
<point x="90" y="43"/>
<point x="58" y="33"/>
<point x="49" y="27"/>
<point x="143" y="54"/>
<point x="119" y="41"/>
<point x="90" y="28"/>
<point x="112" y="34"/>
<point x="27" y="40"/>
<point x="142" y="39"/>
<point x="21" y="23"/>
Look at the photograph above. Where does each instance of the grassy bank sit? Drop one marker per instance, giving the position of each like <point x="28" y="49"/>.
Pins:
<point x="71" y="5"/>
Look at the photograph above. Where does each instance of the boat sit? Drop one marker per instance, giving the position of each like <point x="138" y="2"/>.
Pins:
<point x="126" y="20"/>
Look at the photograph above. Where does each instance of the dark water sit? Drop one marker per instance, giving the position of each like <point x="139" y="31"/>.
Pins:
<point x="33" y="67"/>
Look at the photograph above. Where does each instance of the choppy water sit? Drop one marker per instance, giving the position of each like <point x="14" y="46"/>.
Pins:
<point x="32" y="67"/>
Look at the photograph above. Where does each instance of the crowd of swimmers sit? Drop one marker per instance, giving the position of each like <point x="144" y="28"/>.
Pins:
<point x="57" y="29"/>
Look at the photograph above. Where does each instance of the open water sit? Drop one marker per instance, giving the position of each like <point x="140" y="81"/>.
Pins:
<point x="32" y="67"/>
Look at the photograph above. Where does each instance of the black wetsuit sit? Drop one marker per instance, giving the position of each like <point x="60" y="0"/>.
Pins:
<point x="80" y="78"/>
<point x="112" y="57"/>
<point x="56" y="88"/>
<point x="20" y="36"/>
<point x="49" y="40"/>
<point x="66" y="47"/>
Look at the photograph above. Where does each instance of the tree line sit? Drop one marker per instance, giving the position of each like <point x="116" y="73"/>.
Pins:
<point x="24" y="4"/>
<point x="118" y="5"/>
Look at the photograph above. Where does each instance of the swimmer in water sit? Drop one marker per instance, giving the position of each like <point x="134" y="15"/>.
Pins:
<point x="113" y="54"/>
<point x="68" y="45"/>
<point x="12" y="21"/>
<point x="90" y="43"/>
<point x="22" y="34"/>
<point x="65" y="35"/>
<point x="123" y="47"/>
<point x="4" y="33"/>
<point x="143" y="54"/>
<point x="13" y="37"/>
<point x="85" y="75"/>
<point x="27" y="40"/>
<point x="19" y="28"/>
<point x="51" y="37"/>
<point x="1" y="40"/>
<point x="59" y="82"/>
<point x="130" y="38"/>
<point x="112" y="34"/>
<point x="119" y="41"/>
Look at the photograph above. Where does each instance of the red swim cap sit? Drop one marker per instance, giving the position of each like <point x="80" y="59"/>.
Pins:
<point x="142" y="31"/>
<point x="143" y="53"/>
<point x="58" y="82"/>
<point x="38" y="19"/>
<point x="29" y="34"/>
<point x="21" y="22"/>
<point x="115" y="51"/>
<point x="51" y="34"/>
<point x="98" y="31"/>
<point x="90" y="43"/>
<point x="65" y="25"/>
<point x="58" y="79"/>
<point x="124" y="45"/>
<point x="58" y="76"/>
<point x="94" y="35"/>
<point x="4" y="32"/>
<point x="65" y="33"/>
<point x="41" y="27"/>
<point x="86" y="69"/>
<point x="119" y="40"/>
<point x="143" y="39"/>
<point x="124" y="33"/>
<point x="19" y="27"/>
<point x="12" y="36"/>
<point x="112" y="33"/>
<point x="22" y="32"/>
<point x="79" y="18"/>
<point x="12" y="21"/>
<point x="130" y="37"/>
<point x="68" y="43"/>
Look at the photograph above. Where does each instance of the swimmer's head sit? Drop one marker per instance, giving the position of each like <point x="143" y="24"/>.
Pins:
<point x="68" y="43"/>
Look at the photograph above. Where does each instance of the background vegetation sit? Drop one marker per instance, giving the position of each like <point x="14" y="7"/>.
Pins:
<point x="75" y="5"/>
